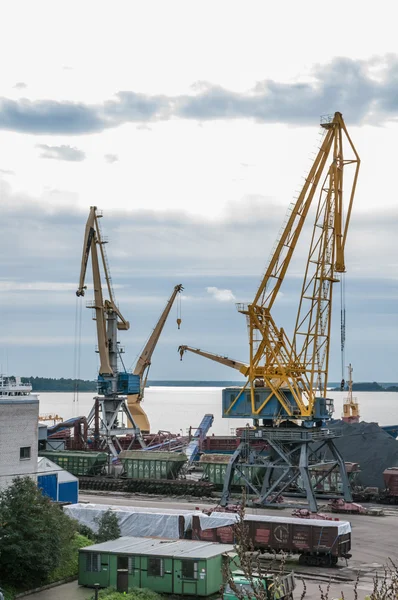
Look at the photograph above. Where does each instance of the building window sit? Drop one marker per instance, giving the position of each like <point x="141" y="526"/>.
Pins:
<point x="24" y="453"/>
<point x="93" y="562"/>
<point x="155" y="567"/>
<point x="189" y="569"/>
<point x="131" y="564"/>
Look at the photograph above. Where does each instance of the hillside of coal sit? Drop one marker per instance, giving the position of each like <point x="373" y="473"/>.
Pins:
<point x="370" y="446"/>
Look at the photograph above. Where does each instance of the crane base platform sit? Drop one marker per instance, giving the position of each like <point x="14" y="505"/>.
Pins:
<point x="103" y="421"/>
<point x="293" y="462"/>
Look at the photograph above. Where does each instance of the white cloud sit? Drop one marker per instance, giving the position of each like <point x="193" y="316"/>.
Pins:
<point x="221" y="295"/>
<point x="62" y="340"/>
<point x="44" y="286"/>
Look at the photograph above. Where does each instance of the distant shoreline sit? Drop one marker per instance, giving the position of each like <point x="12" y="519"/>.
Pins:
<point x="46" y="384"/>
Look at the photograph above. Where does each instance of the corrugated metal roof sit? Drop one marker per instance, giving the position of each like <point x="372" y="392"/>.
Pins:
<point x="45" y="465"/>
<point x="160" y="547"/>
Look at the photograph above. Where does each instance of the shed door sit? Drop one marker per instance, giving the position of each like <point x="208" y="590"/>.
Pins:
<point x="122" y="583"/>
<point x="186" y="577"/>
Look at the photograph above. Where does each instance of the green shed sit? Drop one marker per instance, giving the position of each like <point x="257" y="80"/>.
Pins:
<point x="193" y="568"/>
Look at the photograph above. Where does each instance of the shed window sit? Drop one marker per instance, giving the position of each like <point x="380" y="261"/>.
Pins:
<point x="93" y="562"/>
<point x="24" y="453"/>
<point x="131" y="564"/>
<point x="155" y="567"/>
<point x="189" y="569"/>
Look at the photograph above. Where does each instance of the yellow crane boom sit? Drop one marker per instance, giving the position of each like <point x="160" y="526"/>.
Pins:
<point x="223" y="360"/>
<point x="144" y="362"/>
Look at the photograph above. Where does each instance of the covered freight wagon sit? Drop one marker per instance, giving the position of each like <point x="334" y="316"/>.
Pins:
<point x="137" y="521"/>
<point x="316" y="542"/>
<point x="182" y="567"/>
<point x="215" y="467"/>
<point x="78" y="463"/>
<point x="151" y="464"/>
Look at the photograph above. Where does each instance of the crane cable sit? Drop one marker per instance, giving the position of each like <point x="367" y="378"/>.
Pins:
<point x="77" y="354"/>
<point x="179" y="309"/>
<point x="342" y="329"/>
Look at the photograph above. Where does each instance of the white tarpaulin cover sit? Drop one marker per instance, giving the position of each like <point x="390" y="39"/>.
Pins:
<point x="134" y="521"/>
<point x="218" y="519"/>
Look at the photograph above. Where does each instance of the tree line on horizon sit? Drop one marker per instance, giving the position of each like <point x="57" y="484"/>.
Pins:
<point x="62" y="384"/>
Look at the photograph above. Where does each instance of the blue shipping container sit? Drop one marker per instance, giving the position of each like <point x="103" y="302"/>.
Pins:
<point x="48" y="484"/>
<point x="68" y="491"/>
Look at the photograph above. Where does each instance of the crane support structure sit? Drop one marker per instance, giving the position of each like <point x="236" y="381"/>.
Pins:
<point x="113" y="386"/>
<point x="142" y="367"/>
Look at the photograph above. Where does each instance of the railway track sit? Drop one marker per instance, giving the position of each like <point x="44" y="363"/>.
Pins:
<point x="176" y="487"/>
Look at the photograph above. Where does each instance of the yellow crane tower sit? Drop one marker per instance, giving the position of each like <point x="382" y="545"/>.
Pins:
<point x="113" y="386"/>
<point x="142" y="367"/>
<point x="287" y="377"/>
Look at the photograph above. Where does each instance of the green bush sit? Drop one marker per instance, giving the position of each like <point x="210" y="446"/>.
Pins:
<point x="69" y="563"/>
<point x="86" y="531"/>
<point x="108" y="526"/>
<point x="33" y="533"/>
<point x="134" y="594"/>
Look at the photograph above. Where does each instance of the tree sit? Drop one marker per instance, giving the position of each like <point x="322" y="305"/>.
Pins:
<point x="33" y="532"/>
<point x="108" y="526"/>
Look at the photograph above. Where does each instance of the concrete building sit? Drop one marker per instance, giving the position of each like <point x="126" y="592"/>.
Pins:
<point x="18" y="436"/>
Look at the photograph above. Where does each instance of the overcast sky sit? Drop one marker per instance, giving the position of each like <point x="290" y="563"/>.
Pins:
<point x="192" y="125"/>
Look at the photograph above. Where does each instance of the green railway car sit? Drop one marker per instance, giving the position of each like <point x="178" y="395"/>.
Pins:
<point x="215" y="467"/>
<point x="78" y="463"/>
<point x="151" y="464"/>
<point x="180" y="567"/>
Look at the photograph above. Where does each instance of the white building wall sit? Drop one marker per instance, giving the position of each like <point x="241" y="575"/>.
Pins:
<point x="18" y="429"/>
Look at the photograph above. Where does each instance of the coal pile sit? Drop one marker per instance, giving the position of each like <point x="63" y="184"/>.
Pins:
<point x="370" y="446"/>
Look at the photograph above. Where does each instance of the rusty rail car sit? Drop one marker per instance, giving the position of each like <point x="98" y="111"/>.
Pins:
<point x="318" y="543"/>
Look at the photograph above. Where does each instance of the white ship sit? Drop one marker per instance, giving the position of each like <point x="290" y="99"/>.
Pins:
<point x="13" y="386"/>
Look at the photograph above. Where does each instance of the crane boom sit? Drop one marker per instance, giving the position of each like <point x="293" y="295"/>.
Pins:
<point x="143" y="364"/>
<point x="223" y="360"/>
<point x="144" y="361"/>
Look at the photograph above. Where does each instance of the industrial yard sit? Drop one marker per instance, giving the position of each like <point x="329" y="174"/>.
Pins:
<point x="291" y="480"/>
<point x="373" y="544"/>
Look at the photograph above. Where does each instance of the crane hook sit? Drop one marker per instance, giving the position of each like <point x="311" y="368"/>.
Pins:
<point x="178" y="322"/>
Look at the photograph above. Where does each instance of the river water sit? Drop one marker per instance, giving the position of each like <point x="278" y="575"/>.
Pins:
<point x="175" y="409"/>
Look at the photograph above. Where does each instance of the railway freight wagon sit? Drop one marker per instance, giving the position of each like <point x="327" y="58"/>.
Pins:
<point x="152" y="464"/>
<point x="79" y="463"/>
<point x="137" y="521"/>
<point x="316" y="542"/>
<point x="215" y="467"/>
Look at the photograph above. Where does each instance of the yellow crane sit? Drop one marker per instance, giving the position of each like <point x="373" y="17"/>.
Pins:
<point x="286" y="389"/>
<point x="108" y="317"/>
<point x="113" y="386"/>
<point x="142" y="367"/>
<point x="293" y="372"/>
